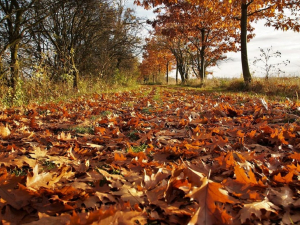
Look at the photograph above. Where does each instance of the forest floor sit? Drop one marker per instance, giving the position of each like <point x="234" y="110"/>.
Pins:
<point x="158" y="155"/>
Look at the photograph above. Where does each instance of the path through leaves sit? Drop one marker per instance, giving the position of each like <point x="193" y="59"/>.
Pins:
<point x="154" y="156"/>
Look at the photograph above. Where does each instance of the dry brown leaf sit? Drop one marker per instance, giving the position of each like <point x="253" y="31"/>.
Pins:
<point x="38" y="180"/>
<point x="153" y="180"/>
<point x="255" y="208"/>
<point x="45" y="219"/>
<point x="4" y="131"/>
<point x="283" y="196"/>
<point x="207" y="196"/>
<point x="38" y="153"/>
<point x="291" y="218"/>
<point x="65" y="137"/>
<point x="125" y="218"/>
<point x="130" y="194"/>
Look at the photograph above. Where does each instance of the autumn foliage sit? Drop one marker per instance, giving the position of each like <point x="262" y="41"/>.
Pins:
<point x="154" y="156"/>
<point x="157" y="60"/>
<point x="225" y="21"/>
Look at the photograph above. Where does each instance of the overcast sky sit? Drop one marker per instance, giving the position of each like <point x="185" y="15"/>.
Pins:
<point x="288" y="43"/>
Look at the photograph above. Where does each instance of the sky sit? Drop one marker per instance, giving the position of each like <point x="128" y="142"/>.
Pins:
<point x="287" y="42"/>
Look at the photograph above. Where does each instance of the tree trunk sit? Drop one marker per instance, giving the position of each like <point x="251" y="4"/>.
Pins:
<point x="167" y="73"/>
<point x="244" y="55"/>
<point x="1" y="69"/>
<point x="14" y="65"/>
<point x="186" y="74"/>
<point x="158" y="73"/>
<point x="202" y="56"/>
<point x="176" y="72"/>
<point x="75" y="79"/>
<point x="75" y="74"/>
<point x="181" y="72"/>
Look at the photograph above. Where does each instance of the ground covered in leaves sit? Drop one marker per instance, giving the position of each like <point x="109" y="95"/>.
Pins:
<point x="153" y="156"/>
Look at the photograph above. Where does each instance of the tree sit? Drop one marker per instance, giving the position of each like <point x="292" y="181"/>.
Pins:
<point x="125" y="44"/>
<point x="89" y="38"/>
<point x="157" y="59"/>
<point x="17" y="17"/>
<point x="247" y="11"/>
<point x="207" y="38"/>
<point x="66" y="29"/>
<point x="267" y="67"/>
<point x="254" y="10"/>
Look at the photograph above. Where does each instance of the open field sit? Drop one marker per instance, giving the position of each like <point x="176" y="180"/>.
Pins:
<point x="157" y="155"/>
<point x="42" y="92"/>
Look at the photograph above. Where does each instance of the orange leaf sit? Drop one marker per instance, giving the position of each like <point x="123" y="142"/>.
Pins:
<point x="286" y="179"/>
<point x="251" y="134"/>
<point x="207" y="195"/>
<point x="292" y="167"/>
<point x="182" y="184"/>
<point x="100" y="130"/>
<point x="242" y="178"/>
<point x="266" y="129"/>
<point x="120" y="157"/>
<point x="240" y="134"/>
<point x="295" y="156"/>
<point x="4" y="131"/>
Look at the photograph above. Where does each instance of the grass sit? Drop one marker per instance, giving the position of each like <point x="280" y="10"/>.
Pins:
<point x="83" y="129"/>
<point x="133" y="135"/>
<point x="140" y="148"/>
<point x="95" y="117"/>
<point x="109" y="169"/>
<point x="48" y="165"/>
<point x="105" y="113"/>
<point x="39" y="92"/>
<point x="273" y="88"/>
<point x="158" y="95"/>
<point x="18" y="172"/>
<point x="147" y="110"/>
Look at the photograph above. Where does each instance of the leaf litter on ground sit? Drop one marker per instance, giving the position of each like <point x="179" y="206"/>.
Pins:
<point x="173" y="156"/>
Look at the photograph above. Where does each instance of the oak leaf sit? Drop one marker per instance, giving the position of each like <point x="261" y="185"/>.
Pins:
<point x="38" y="180"/>
<point x="153" y="180"/>
<point x="65" y="137"/>
<point x="119" y="157"/>
<point x="290" y="218"/>
<point x="244" y="179"/>
<point x="255" y="208"/>
<point x="130" y="194"/>
<point x="283" y="196"/>
<point x="120" y="217"/>
<point x="286" y="179"/>
<point x="45" y="219"/>
<point x="46" y="179"/>
<point x="295" y="156"/>
<point x="4" y="131"/>
<point x="38" y="153"/>
<point x="207" y="196"/>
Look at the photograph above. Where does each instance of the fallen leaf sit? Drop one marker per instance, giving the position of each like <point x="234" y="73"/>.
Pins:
<point x="207" y="196"/>
<point x="283" y="196"/>
<point x="4" y="131"/>
<point x="255" y="208"/>
<point x="286" y="179"/>
<point x="38" y="180"/>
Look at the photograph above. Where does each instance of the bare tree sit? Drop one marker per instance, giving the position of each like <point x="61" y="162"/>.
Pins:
<point x="16" y="18"/>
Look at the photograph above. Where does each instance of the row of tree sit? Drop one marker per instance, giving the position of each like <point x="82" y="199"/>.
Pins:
<point x="66" y="38"/>
<point x="199" y="32"/>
